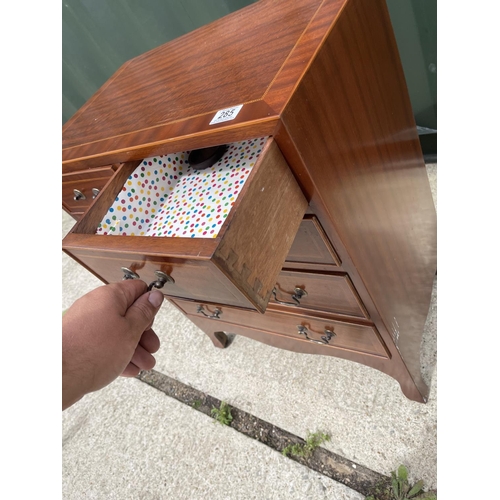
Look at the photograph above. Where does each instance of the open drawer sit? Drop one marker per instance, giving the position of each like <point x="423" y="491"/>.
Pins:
<point x="212" y="242"/>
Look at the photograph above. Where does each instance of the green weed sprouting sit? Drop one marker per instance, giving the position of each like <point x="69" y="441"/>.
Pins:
<point x="222" y="414"/>
<point x="313" y="441"/>
<point x="400" y="488"/>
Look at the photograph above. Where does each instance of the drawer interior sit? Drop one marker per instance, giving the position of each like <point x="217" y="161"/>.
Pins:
<point x="166" y="196"/>
<point x="247" y="252"/>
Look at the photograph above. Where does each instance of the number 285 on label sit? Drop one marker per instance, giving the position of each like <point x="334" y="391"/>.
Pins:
<point x="224" y="115"/>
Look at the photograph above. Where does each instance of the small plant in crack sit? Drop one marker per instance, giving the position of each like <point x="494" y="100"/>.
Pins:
<point x="222" y="414"/>
<point x="196" y="404"/>
<point x="313" y="441"/>
<point x="400" y="488"/>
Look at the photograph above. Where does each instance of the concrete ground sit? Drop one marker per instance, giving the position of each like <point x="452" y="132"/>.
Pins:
<point x="131" y="441"/>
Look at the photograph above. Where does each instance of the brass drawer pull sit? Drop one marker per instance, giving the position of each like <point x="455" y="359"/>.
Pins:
<point x="128" y="274"/>
<point x="162" y="278"/>
<point x="299" y="293"/>
<point x="215" y="315"/>
<point x="325" y="339"/>
<point x="78" y="195"/>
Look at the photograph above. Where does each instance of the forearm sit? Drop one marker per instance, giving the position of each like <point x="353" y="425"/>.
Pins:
<point x="75" y="382"/>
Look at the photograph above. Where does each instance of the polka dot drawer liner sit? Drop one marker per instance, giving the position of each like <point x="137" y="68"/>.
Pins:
<point x="165" y="196"/>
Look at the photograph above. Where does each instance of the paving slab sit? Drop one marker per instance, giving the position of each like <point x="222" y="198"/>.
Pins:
<point x="130" y="441"/>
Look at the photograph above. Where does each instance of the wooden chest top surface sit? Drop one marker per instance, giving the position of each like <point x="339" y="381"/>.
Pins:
<point x="253" y="57"/>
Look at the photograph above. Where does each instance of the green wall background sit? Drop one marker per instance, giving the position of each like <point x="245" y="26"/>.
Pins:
<point x="415" y="26"/>
<point x="98" y="36"/>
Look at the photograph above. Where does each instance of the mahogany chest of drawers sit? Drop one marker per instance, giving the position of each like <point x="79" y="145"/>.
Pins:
<point x="315" y="231"/>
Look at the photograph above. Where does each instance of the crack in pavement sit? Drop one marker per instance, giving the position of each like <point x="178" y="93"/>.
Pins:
<point x="331" y="465"/>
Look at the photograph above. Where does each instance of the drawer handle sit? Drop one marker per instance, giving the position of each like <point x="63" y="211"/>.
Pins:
<point x="95" y="192"/>
<point x="325" y="339"/>
<point x="128" y="274"/>
<point x="162" y="278"/>
<point x="299" y="293"/>
<point x="78" y="195"/>
<point x="215" y="315"/>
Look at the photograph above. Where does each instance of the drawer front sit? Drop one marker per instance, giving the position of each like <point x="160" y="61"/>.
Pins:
<point x="190" y="279"/>
<point x="328" y="333"/>
<point x="249" y="249"/>
<point x="333" y="293"/>
<point x="77" y="188"/>
<point x="311" y="248"/>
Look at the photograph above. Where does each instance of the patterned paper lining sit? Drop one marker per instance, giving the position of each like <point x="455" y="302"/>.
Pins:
<point x="165" y="196"/>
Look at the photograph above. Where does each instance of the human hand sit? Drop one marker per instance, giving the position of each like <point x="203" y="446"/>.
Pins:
<point x="105" y="334"/>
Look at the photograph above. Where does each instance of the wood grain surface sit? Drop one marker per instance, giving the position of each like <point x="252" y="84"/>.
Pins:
<point x="84" y="182"/>
<point x="351" y="120"/>
<point x="311" y="248"/>
<point x="262" y="227"/>
<point x="163" y="101"/>
<point x="329" y="292"/>
<point x="350" y="336"/>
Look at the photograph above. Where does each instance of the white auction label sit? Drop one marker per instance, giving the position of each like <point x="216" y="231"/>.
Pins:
<point x="224" y="115"/>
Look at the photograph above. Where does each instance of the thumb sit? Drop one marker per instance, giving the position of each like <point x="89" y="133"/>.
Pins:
<point x="143" y="311"/>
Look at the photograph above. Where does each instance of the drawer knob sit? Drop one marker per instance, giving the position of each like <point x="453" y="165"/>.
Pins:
<point x="162" y="278"/>
<point x="128" y="274"/>
<point x="78" y="195"/>
<point x="325" y="339"/>
<point x="296" y="296"/>
<point x="95" y="192"/>
<point x="215" y="315"/>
